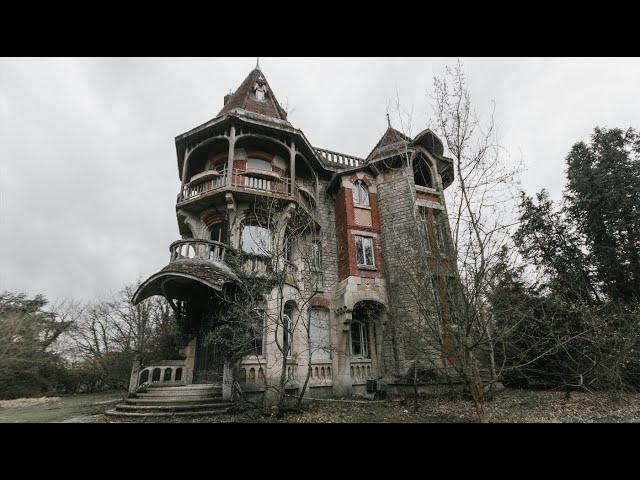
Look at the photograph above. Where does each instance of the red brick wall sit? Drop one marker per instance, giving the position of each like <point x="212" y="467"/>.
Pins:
<point x="345" y="224"/>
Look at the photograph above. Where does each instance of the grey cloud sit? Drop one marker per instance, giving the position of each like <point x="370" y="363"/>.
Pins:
<point x="88" y="174"/>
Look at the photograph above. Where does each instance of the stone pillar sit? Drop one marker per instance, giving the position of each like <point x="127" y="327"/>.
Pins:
<point x="292" y="167"/>
<point x="184" y="171"/>
<point x="342" y="382"/>
<point x="227" y="381"/>
<point x="133" y="379"/>
<point x="232" y="145"/>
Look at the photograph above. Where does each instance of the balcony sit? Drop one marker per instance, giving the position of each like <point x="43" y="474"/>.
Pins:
<point x="251" y="181"/>
<point x="198" y="249"/>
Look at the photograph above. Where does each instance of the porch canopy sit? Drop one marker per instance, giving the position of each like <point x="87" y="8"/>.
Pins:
<point x="185" y="279"/>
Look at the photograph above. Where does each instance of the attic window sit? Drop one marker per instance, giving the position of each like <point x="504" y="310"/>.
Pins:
<point x="261" y="89"/>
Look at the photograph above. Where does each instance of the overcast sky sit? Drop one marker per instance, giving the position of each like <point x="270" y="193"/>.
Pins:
<point x="88" y="170"/>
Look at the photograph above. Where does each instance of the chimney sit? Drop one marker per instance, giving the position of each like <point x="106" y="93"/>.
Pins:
<point x="226" y="98"/>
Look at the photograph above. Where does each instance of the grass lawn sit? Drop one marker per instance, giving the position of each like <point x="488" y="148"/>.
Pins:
<point x="69" y="406"/>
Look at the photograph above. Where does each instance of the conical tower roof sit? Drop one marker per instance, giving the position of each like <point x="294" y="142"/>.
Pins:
<point x="254" y="95"/>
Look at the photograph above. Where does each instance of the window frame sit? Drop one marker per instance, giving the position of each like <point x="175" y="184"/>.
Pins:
<point x="364" y="256"/>
<point x="324" y="349"/>
<point x="363" y="332"/>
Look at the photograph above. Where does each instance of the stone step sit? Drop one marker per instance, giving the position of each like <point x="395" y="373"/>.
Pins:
<point x="192" y="385"/>
<point x="172" y="408"/>
<point x="116" y="413"/>
<point x="180" y="393"/>
<point x="173" y="400"/>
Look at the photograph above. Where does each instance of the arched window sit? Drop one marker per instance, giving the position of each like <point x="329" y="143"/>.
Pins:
<point x="256" y="240"/>
<point x="360" y="194"/>
<point x="422" y="173"/>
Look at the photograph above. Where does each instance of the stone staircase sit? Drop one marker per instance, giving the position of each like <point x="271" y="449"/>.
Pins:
<point x="161" y="400"/>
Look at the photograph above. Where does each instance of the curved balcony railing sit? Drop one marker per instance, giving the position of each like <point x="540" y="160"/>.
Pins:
<point x="253" y="180"/>
<point x="198" y="249"/>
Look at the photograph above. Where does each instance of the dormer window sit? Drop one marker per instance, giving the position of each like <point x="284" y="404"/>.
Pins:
<point x="260" y="89"/>
<point x="360" y="194"/>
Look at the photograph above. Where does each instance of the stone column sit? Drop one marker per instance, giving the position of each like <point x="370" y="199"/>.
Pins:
<point x="292" y="167"/>
<point x="133" y="379"/>
<point x="232" y="144"/>
<point x="227" y="381"/>
<point x="342" y="382"/>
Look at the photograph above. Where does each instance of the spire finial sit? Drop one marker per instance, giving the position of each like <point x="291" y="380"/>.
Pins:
<point x="388" y="120"/>
<point x="258" y="63"/>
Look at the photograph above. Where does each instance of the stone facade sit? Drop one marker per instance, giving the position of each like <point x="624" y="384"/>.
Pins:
<point x="367" y="217"/>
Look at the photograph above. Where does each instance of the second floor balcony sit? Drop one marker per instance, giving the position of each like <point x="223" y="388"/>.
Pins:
<point x="209" y="183"/>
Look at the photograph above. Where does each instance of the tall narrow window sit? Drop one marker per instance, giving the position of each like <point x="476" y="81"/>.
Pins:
<point x="256" y="331"/>
<point x="256" y="240"/>
<point x="319" y="334"/>
<point x="360" y="194"/>
<point x="288" y="249"/>
<point x="359" y="339"/>
<point x="315" y="259"/>
<point x="426" y="233"/>
<point x="287" y="333"/>
<point x="364" y="251"/>
<point x="439" y="219"/>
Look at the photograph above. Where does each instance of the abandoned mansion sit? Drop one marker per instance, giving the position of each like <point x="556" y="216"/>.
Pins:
<point x="301" y="246"/>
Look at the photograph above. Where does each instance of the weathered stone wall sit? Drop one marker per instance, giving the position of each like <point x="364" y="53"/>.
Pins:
<point x="400" y="233"/>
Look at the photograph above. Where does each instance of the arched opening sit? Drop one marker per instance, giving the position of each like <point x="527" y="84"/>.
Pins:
<point x="178" y="374"/>
<point x="210" y="157"/>
<point x="167" y="375"/>
<point x="156" y="375"/>
<point x="422" y="173"/>
<point x="144" y="377"/>
<point x="218" y="232"/>
<point x="362" y="330"/>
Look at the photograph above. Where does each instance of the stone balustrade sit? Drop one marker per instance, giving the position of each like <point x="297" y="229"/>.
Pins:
<point x="360" y="371"/>
<point x="198" y="249"/>
<point x="321" y="373"/>
<point x="339" y="159"/>
<point x="174" y="371"/>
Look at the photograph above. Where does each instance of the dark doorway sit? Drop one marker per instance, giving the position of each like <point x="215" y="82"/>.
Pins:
<point x="209" y="361"/>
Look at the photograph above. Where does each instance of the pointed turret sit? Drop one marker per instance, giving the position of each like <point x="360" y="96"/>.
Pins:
<point x="254" y="95"/>
<point x="392" y="140"/>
